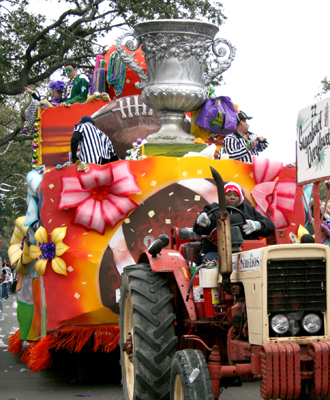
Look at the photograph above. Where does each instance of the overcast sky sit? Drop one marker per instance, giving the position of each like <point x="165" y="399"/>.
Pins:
<point x="282" y="56"/>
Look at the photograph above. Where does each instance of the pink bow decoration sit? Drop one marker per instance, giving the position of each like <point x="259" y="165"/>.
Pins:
<point x="101" y="195"/>
<point x="273" y="198"/>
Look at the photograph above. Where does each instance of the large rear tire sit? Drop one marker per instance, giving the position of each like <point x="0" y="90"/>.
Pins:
<point x="190" y="378"/>
<point x="147" y="333"/>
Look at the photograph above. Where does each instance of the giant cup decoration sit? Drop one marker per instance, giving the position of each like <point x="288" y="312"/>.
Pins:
<point x="176" y="53"/>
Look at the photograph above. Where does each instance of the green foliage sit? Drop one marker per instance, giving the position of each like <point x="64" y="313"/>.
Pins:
<point x="323" y="191"/>
<point x="15" y="162"/>
<point x="33" y="46"/>
<point x="325" y="87"/>
<point x="136" y="10"/>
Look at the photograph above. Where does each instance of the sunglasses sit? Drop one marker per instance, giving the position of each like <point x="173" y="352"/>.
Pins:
<point x="68" y="70"/>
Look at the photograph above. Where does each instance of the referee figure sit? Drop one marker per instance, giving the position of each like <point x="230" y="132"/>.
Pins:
<point x="94" y="145"/>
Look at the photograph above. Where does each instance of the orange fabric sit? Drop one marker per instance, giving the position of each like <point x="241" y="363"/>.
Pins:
<point x="27" y="351"/>
<point x="72" y="338"/>
<point x="15" y="343"/>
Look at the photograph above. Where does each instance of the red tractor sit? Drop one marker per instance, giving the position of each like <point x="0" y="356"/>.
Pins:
<point x="188" y="329"/>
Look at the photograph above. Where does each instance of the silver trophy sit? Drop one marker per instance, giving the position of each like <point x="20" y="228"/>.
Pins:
<point x="176" y="53"/>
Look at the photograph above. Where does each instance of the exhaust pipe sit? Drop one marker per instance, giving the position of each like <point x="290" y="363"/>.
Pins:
<point x="223" y="231"/>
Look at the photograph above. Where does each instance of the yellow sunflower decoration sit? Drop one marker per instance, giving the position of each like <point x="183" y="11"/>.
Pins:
<point x="19" y="249"/>
<point x="49" y="250"/>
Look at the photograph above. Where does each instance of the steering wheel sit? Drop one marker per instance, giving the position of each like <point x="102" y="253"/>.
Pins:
<point x="213" y="237"/>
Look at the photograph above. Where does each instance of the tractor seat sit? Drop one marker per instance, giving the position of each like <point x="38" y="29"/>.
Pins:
<point x="195" y="249"/>
<point x="188" y="233"/>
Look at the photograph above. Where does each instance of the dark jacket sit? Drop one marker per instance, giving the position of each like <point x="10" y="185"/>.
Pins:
<point x="267" y="226"/>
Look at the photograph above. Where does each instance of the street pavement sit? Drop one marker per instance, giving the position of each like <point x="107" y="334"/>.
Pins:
<point x="60" y="382"/>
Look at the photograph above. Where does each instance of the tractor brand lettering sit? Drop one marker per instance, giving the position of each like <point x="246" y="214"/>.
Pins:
<point x="249" y="261"/>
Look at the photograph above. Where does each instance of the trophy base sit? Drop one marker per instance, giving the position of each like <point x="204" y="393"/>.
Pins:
<point x="171" y="149"/>
<point x="171" y="129"/>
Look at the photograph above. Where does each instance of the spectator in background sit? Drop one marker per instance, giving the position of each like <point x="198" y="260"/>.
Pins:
<point x="325" y="232"/>
<point x="1" y="280"/>
<point x="5" y="284"/>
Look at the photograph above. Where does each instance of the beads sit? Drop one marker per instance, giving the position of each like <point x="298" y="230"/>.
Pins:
<point x="136" y="152"/>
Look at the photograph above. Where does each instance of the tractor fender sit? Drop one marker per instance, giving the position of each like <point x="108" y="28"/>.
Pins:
<point x="172" y="261"/>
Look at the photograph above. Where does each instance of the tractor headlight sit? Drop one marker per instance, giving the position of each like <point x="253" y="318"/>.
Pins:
<point x="280" y="324"/>
<point x="312" y="323"/>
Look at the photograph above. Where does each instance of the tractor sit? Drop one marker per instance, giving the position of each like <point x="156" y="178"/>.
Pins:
<point x="189" y="329"/>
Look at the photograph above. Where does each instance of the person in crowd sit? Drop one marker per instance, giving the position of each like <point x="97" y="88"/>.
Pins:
<point x="56" y="88"/>
<point x="76" y="88"/>
<point x="256" y="225"/>
<point x="242" y="144"/>
<point x="5" y="284"/>
<point x="94" y="145"/>
<point x="1" y="280"/>
<point x="325" y="226"/>
<point x="325" y="232"/>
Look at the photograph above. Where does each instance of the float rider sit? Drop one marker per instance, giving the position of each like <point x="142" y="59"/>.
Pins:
<point x="242" y="144"/>
<point x="76" y="89"/>
<point x="256" y="224"/>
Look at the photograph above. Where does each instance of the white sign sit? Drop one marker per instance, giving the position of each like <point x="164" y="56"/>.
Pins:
<point x="313" y="143"/>
<point x="246" y="261"/>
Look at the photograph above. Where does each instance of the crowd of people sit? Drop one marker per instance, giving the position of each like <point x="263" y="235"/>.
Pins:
<point x="7" y="282"/>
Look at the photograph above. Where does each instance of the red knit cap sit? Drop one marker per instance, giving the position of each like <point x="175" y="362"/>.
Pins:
<point x="234" y="187"/>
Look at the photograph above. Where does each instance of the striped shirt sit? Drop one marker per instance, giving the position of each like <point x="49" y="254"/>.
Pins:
<point x="235" y="146"/>
<point x="94" y="145"/>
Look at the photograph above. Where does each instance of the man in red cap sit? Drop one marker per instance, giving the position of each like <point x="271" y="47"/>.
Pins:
<point x="256" y="225"/>
<point x="242" y="144"/>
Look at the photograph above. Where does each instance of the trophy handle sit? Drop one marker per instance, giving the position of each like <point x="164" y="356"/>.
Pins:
<point x="221" y="65"/>
<point x="128" y="59"/>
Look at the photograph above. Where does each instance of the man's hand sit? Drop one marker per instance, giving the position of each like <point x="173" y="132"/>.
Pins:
<point x="260" y="139"/>
<point x="203" y="220"/>
<point x="251" y="226"/>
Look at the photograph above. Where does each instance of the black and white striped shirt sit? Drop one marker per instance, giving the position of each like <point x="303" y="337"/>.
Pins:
<point x="235" y="146"/>
<point x="94" y="144"/>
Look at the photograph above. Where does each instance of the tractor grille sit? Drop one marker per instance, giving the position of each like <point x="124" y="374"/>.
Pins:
<point x="296" y="285"/>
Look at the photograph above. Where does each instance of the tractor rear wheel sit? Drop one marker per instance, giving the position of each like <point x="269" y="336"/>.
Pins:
<point x="147" y="336"/>
<point x="190" y="378"/>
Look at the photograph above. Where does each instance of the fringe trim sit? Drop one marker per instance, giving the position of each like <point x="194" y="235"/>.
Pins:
<point x="15" y="343"/>
<point x="105" y="338"/>
<point x="27" y="351"/>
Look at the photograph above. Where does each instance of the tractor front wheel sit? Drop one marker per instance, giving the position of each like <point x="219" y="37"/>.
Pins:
<point x="190" y="378"/>
<point x="147" y="336"/>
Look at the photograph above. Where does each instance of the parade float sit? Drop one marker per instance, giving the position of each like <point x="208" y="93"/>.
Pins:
<point x="86" y="223"/>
